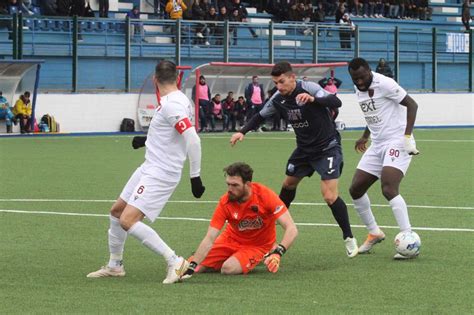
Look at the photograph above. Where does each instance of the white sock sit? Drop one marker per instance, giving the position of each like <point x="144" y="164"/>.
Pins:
<point x="362" y="206"/>
<point x="152" y="240"/>
<point x="117" y="237"/>
<point x="400" y="211"/>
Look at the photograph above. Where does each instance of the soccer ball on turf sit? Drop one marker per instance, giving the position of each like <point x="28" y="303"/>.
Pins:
<point x="407" y="244"/>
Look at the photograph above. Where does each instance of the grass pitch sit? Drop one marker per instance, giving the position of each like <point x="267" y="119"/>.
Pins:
<point x="56" y="192"/>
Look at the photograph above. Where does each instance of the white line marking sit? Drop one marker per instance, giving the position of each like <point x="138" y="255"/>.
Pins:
<point x="215" y="202"/>
<point x="207" y="220"/>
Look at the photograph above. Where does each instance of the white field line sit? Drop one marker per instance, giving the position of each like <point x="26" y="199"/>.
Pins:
<point x="215" y="202"/>
<point x="207" y="220"/>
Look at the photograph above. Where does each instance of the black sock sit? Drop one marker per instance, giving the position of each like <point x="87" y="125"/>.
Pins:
<point x="339" y="211"/>
<point x="287" y="196"/>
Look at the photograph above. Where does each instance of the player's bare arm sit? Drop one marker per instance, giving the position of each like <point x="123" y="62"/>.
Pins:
<point x="330" y="100"/>
<point x="272" y="259"/>
<point x="202" y="251"/>
<point x="361" y="143"/>
<point x="253" y="123"/>
<point x="412" y="108"/>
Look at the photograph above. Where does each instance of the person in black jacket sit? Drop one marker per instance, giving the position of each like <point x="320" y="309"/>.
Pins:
<point x="384" y="68"/>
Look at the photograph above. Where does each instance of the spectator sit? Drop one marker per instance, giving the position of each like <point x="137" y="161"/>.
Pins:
<point x="466" y="14"/>
<point x="136" y="27"/>
<point x="228" y="109"/>
<point x="384" y="68"/>
<point x="242" y="16"/>
<point x="330" y="84"/>
<point x="346" y="31"/>
<point x="425" y="10"/>
<point x="158" y="7"/>
<point x="104" y="8"/>
<point x="213" y="28"/>
<point x="223" y="16"/>
<point x="202" y="31"/>
<point x="240" y="111"/>
<point x="49" y="7"/>
<point x="22" y="111"/>
<point x="255" y="96"/>
<point x="6" y="113"/>
<point x="393" y="9"/>
<point x="175" y="9"/>
<point x="217" y="113"/>
<point x="205" y="105"/>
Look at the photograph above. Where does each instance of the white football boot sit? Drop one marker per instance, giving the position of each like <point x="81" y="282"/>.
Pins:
<point x="371" y="240"/>
<point x="402" y="257"/>
<point x="106" y="271"/>
<point x="351" y="247"/>
<point x="176" y="270"/>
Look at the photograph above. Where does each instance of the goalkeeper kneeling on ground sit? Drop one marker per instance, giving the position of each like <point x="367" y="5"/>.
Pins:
<point x="251" y="210"/>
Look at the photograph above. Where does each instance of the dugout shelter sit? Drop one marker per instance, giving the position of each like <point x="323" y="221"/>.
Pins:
<point x="223" y="77"/>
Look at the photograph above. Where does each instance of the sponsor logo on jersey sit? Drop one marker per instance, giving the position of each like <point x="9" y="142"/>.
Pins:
<point x="294" y="114"/>
<point x="300" y="124"/>
<point x="368" y="106"/>
<point x="251" y="224"/>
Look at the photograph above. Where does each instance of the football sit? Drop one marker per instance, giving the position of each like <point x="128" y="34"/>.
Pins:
<point x="407" y="244"/>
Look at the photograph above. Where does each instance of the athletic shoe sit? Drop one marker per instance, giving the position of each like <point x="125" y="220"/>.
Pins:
<point x="106" y="271"/>
<point x="176" y="270"/>
<point x="351" y="247"/>
<point x="199" y="34"/>
<point x="401" y="257"/>
<point x="371" y="240"/>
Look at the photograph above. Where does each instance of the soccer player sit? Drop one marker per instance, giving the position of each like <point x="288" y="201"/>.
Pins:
<point x="250" y="210"/>
<point x="310" y="111"/>
<point x="390" y="128"/>
<point x="170" y="138"/>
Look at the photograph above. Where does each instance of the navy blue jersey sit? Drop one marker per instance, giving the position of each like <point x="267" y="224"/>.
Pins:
<point x="313" y="124"/>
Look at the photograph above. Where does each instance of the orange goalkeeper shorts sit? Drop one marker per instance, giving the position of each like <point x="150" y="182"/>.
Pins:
<point x="248" y="256"/>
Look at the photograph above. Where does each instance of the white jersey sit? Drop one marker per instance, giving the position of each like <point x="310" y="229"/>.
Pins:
<point x="385" y="117"/>
<point x="165" y="146"/>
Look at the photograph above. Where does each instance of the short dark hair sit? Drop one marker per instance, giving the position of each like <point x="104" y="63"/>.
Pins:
<point x="27" y="94"/>
<point x="165" y="72"/>
<point x="281" y="68"/>
<point x="358" y="62"/>
<point x="240" y="169"/>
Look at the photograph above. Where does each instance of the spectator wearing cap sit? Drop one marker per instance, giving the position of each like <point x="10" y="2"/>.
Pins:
<point x="136" y="27"/>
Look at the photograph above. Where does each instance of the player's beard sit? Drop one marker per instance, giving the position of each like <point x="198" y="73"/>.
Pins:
<point x="241" y="197"/>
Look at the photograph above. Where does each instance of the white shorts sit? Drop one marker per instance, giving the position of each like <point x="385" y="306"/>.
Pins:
<point x="148" y="193"/>
<point x="391" y="154"/>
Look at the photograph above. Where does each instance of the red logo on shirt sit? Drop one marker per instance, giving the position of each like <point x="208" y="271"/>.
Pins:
<point x="182" y="125"/>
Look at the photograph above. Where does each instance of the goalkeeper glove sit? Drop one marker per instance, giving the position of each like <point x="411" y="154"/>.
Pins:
<point x="410" y="145"/>
<point x="190" y="271"/>
<point x="196" y="187"/>
<point x="138" y="142"/>
<point x="272" y="259"/>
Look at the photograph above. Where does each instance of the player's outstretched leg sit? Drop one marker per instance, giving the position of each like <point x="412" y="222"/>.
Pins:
<point x="287" y="196"/>
<point x="376" y="235"/>
<point x="117" y="237"/>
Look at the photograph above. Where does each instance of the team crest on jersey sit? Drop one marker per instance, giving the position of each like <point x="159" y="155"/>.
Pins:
<point x="294" y="114"/>
<point x="251" y="224"/>
<point x="371" y="93"/>
<point x="254" y="208"/>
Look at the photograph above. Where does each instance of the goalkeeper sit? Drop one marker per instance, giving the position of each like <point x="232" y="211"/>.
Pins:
<point x="251" y="210"/>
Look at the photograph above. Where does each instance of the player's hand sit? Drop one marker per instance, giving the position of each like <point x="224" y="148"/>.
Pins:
<point x="138" y="142"/>
<point x="410" y="146"/>
<point x="304" y="98"/>
<point x="190" y="271"/>
<point x="196" y="187"/>
<point x="238" y="136"/>
<point x="273" y="262"/>
<point x="361" y="145"/>
<point x="272" y="259"/>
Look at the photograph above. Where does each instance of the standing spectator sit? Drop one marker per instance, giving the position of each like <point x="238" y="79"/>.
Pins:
<point x="384" y="68"/>
<point x="255" y="95"/>
<point x="228" y="109"/>
<point x="136" y="27"/>
<point x="213" y="28"/>
<point x="425" y="10"/>
<point x="466" y="14"/>
<point x="204" y="96"/>
<point x="104" y="8"/>
<point x="49" y="7"/>
<point x="240" y="111"/>
<point x="223" y="16"/>
<point x="243" y="14"/>
<point x="346" y="31"/>
<point x="202" y="31"/>
<point x="22" y="111"/>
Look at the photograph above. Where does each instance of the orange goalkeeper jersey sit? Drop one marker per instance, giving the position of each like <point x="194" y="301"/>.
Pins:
<point x="251" y="222"/>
